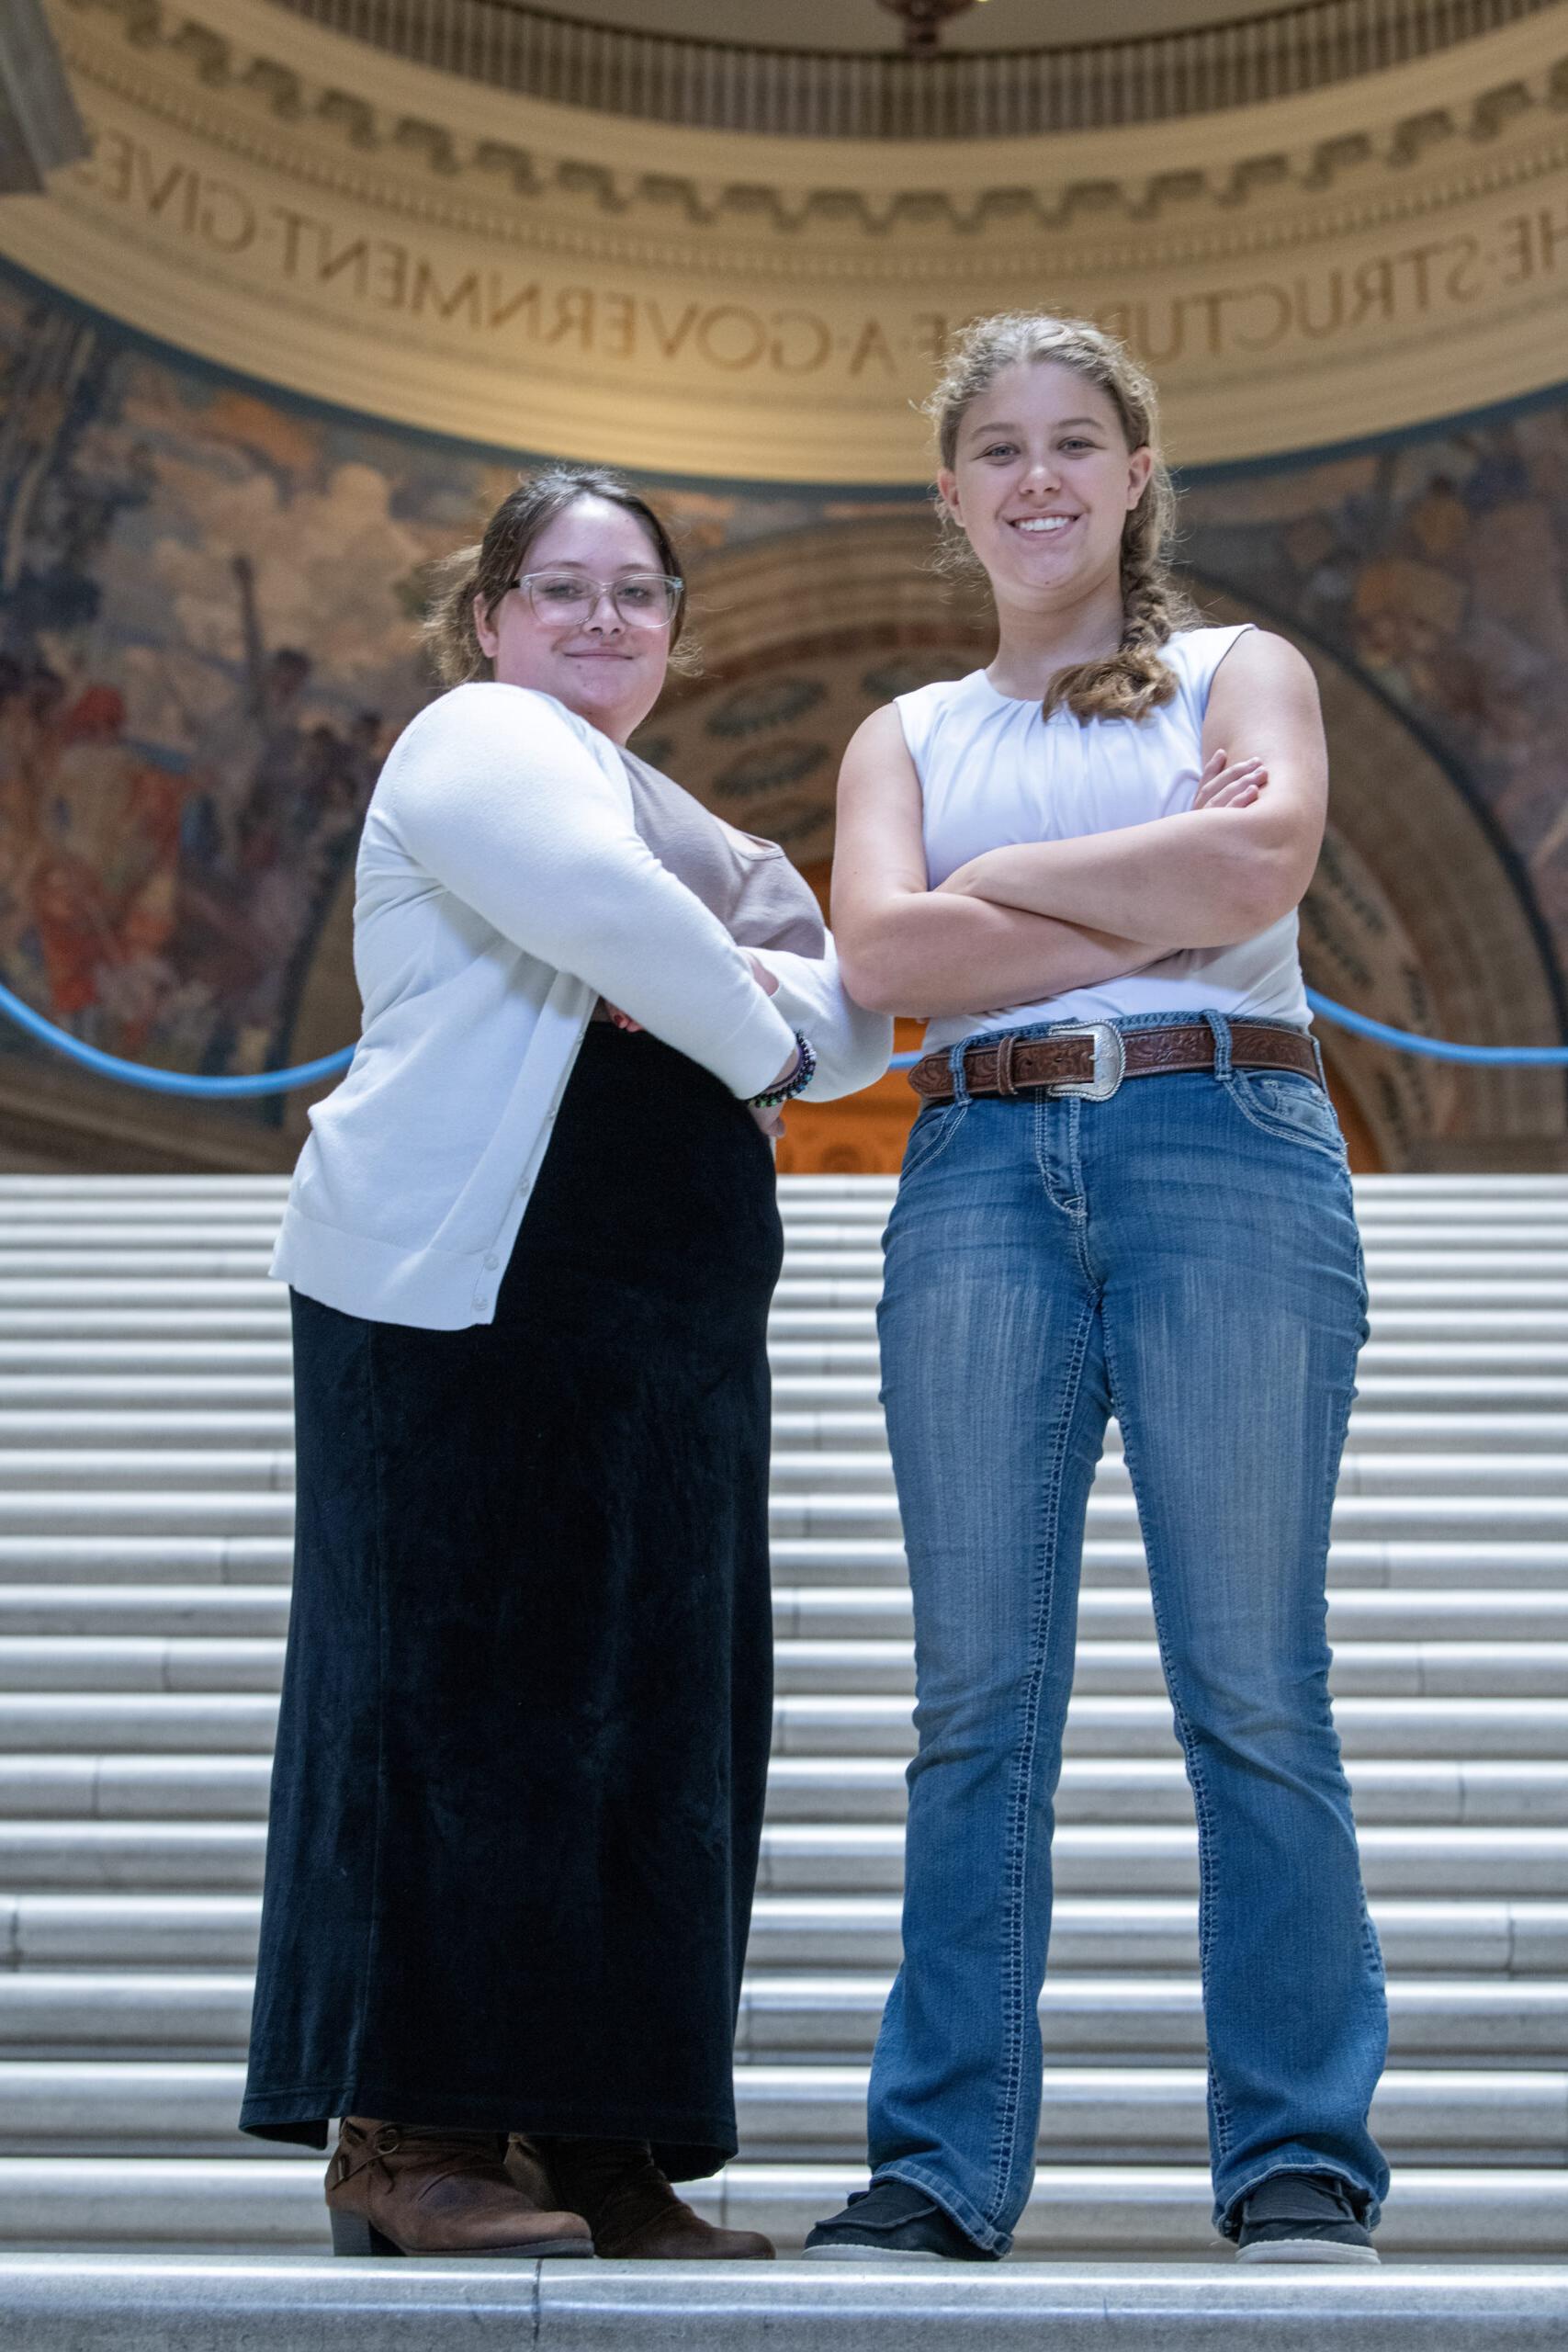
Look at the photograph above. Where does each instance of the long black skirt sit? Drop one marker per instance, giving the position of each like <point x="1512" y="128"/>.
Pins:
<point x="526" y="1708"/>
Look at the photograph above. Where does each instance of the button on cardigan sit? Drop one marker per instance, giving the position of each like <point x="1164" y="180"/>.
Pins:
<point x="502" y="888"/>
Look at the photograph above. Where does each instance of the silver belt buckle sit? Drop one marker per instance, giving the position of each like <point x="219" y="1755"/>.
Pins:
<point x="1109" y="1061"/>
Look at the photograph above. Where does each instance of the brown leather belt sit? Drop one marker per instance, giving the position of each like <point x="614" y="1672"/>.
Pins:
<point x="1093" y="1060"/>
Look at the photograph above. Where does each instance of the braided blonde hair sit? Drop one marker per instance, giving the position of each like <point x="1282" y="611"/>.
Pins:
<point x="1133" y="680"/>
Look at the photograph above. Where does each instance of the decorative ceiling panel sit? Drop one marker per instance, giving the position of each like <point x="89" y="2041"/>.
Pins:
<point x="291" y="203"/>
<point x="1124" y="61"/>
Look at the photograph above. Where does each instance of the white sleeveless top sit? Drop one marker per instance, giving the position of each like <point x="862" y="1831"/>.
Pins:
<point x="994" y="771"/>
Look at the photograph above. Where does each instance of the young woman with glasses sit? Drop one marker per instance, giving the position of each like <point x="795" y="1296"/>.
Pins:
<point x="1125" y="1193"/>
<point x="532" y="1240"/>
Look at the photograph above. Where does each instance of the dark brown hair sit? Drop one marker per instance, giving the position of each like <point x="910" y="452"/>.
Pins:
<point x="1133" y="679"/>
<point x="488" y="570"/>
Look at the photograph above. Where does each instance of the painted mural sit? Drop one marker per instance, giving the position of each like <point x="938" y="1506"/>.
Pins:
<point x="208" y="639"/>
<point x="1438" y="569"/>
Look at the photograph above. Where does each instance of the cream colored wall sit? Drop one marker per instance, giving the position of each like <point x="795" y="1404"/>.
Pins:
<point x="287" y="202"/>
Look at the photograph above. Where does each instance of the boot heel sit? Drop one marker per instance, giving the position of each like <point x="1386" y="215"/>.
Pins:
<point x="352" y="2235"/>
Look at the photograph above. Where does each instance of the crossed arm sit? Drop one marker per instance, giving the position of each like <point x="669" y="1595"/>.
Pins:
<point x="1043" y="917"/>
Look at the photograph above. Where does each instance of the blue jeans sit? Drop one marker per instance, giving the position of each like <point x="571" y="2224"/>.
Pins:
<point x="1185" y="1256"/>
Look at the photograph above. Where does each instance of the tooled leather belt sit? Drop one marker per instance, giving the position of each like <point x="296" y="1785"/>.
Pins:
<point x="1093" y="1060"/>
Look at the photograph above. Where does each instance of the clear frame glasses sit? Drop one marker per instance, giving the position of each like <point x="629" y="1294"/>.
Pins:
<point x="642" y="599"/>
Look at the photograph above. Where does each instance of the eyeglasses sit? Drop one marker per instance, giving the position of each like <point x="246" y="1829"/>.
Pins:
<point x="641" y="599"/>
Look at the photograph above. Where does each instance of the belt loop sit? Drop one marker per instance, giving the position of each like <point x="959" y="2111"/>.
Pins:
<point x="1317" y="1057"/>
<point x="1221" y="1027"/>
<point x="1005" y="1044"/>
<point x="955" y="1064"/>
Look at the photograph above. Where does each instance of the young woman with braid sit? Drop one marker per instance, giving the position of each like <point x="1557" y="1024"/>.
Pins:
<point x="1125" y="1193"/>
<point x="532" y="1241"/>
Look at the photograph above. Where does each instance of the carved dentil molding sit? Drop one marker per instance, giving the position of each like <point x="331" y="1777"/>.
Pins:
<point x="1358" y="145"/>
<point x="489" y="265"/>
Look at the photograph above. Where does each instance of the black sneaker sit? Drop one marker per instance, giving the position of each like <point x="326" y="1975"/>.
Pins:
<point x="891" y="2219"/>
<point x="1301" y="2217"/>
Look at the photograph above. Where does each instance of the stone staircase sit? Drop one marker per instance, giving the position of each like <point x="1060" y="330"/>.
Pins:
<point x="145" y="1509"/>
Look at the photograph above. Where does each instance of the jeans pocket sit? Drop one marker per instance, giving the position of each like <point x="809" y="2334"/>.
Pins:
<point x="931" y="1133"/>
<point x="1290" y="1106"/>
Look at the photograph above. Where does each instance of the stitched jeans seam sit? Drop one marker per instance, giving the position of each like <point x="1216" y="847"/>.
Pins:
<point x="1016" y="1846"/>
<point x="372" y="1925"/>
<point x="1201" y="1802"/>
<point x="1282" y="1131"/>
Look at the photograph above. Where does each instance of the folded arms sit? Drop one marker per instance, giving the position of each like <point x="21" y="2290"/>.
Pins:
<point x="1037" y="919"/>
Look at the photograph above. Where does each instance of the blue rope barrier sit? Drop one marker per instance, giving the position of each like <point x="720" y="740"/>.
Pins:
<point x="1436" y="1050"/>
<point x="283" y="1081"/>
<point x="167" y="1082"/>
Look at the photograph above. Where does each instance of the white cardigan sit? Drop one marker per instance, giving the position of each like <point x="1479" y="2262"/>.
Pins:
<point x="502" y="888"/>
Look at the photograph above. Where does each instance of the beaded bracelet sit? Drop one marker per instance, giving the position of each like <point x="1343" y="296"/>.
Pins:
<point x="804" y="1071"/>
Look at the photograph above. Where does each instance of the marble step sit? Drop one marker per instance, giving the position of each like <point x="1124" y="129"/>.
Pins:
<point x="817" y="1857"/>
<point x="104" y="1557"/>
<point x="49" y="1351"/>
<point x="824" y="1857"/>
<point x="801" y="1612"/>
<point x="170" y="1189"/>
<point x="866" y="1471"/>
<point x="260" y="1314"/>
<point x="1109" y="1562"/>
<point x="1461" y="2022"/>
<point x="42" y="1421"/>
<point x="1119" y="1665"/>
<point x="50" y="1355"/>
<point x="149" y="2302"/>
<point x="244" y="1234"/>
<point x="831" y="1789"/>
<point x="1509" y="1937"/>
<point x="55" y="1723"/>
<point x="1392" y="1411"/>
<point x="860" y="1476"/>
<point x="1525" y="1334"/>
<point x="273" y="2203"/>
<point x="81" y="1509"/>
<point x="61" y="2013"/>
<point x="1515" y="1938"/>
<point x="837" y="1275"/>
<point x="235" y="1283"/>
<point x="871" y="1614"/>
<point x="1154" y="2114"/>
<point x="816" y="1190"/>
<point x="1406" y="1517"/>
<point x="1435" y="1351"/>
<point x="1480" y="1215"/>
<point x="1475" y="1200"/>
<point x="839" y="1271"/>
<point x="830" y="1428"/>
<point x="809" y="1204"/>
<point x="141" y="2303"/>
<point x="836" y="1789"/>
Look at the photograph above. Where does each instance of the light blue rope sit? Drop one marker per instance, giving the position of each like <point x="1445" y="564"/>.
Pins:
<point x="166" y="1082"/>
<point x="1436" y="1050"/>
<point x="283" y="1081"/>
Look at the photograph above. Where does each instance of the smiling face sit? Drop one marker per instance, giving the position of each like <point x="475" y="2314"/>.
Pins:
<point x="1042" y="482"/>
<point x="605" y="670"/>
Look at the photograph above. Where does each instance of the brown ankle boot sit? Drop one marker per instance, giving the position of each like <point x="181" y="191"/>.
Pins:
<point x="413" y="2188"/>
<point x="634" y="2213"/>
